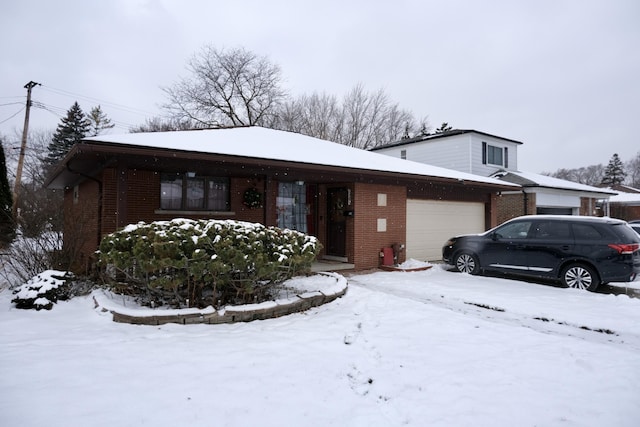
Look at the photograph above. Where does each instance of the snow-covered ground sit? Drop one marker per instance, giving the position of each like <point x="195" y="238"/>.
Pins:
<point x="429" y="348"/>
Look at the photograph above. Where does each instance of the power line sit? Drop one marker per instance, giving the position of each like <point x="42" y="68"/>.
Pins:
<point x="61" y="113"/>
<point x="99" y="101"/>
<point x="11" y="117"/>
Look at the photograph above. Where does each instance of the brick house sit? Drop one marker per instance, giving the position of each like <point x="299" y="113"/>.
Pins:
<point x="626" y="204"/>
<point x="356" y="202"/>
<point x="543" y="194"/>
<point x="483" y="154"/>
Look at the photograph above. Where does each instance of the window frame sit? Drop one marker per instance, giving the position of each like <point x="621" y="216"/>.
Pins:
<point x="206" y="180"/>
<point x="489" y="153"/>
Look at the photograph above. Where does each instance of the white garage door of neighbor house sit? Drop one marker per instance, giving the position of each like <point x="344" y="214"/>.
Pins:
<point x="430" y="223"/>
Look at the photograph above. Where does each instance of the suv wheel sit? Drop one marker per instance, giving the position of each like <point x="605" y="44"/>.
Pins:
<point x="467" y="263"/>
<point x="579" y="276"/>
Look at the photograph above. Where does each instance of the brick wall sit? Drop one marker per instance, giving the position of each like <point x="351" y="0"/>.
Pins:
<point x="81" y="236"/>
<point x="367" y="241"/>
<point x="142" y="200"/>
<point x="625" y="212"/>
<point x="588" y="206"/>
<point x="139" y="202"/>
<point x="511" y="205"/>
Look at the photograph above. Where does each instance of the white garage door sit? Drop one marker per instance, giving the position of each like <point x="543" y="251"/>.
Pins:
<point x="430" y="223"/>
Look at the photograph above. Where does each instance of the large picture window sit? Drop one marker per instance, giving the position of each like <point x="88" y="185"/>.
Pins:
<point x="186" y="192"/>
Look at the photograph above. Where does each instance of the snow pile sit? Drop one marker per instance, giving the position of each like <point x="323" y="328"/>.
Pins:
<point x="43" y="290"/>
<point x="412" y="264"/>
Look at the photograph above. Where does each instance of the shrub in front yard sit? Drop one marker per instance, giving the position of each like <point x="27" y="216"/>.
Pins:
<point x="44" y="290"/>
<point x="204" y="262"/>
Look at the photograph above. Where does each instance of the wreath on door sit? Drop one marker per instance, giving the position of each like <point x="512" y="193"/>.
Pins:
<point x="252" y="198"/>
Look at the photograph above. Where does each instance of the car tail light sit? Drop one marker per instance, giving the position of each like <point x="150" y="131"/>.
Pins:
<point x="625" y="249"/>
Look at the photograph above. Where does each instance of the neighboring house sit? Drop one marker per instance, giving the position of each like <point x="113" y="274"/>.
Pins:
<point x="484" y="154"/>
<point x="356" y="202"/>
<point x="468" y="151"/>
<point x="626" y="204"/>
<point x="543" y="194"/>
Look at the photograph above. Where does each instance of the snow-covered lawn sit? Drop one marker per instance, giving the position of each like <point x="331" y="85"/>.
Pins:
<point x="429" y="348"/>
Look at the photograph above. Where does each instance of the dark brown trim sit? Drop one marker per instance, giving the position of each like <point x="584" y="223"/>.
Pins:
<point x="94" y="156"/>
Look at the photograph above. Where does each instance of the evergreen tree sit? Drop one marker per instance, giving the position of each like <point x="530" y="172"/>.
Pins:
<point x="7" y="225"/>
<point x="614" y="172"/>
<point x="444" y="127"/>
<point x="70" y="131"/>
<point x="99" y="121"/>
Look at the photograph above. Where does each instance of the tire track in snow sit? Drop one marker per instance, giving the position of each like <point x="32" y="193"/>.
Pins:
<point x="540" y="324"/>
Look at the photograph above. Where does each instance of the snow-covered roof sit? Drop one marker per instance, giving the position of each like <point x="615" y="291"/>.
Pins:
<point x="435" y="136"/>
<point x="529" y="179"/>
<point x="626" y="198"/>
<point x="263" y="143"/>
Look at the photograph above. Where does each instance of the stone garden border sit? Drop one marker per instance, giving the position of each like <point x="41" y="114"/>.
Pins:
<point x="229" y="314"/>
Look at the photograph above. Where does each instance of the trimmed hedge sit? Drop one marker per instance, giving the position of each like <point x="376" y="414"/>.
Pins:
<point x="197" y="263"/>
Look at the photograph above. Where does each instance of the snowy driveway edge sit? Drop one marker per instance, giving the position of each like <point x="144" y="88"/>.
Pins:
<point x="333" y="286"/>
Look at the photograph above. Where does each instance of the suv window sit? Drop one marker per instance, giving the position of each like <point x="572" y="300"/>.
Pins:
<point x="625" y="233"/>
<point x="514" y="230"/>
<point x="586" y="232"/>
<point x="552" y="230"/>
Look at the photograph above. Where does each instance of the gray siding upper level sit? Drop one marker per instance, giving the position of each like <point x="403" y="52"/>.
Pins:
<point x="461" y="152"/>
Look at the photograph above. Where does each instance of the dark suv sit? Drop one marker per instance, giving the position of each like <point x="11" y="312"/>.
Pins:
<point x="581" y="252"/>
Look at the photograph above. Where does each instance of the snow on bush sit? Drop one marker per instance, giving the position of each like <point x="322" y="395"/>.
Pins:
<point x="187" y="262"/>
<point x="43" y="290"/>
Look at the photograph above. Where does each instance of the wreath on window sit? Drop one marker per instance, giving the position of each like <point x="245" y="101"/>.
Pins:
<point x="252" y="198"/>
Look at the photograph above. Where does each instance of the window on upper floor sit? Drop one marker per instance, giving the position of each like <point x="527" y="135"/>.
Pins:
<point x="494" y="155"/>
<point x="403" y="154"/>
<point x="186" y="192"/>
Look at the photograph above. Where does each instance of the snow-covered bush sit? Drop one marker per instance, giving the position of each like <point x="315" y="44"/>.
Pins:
<point x="44" y="290"/>
<point x="204" y="262"/>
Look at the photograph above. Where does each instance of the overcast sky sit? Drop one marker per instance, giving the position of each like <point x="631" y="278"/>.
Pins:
<point x="563" y="77"/>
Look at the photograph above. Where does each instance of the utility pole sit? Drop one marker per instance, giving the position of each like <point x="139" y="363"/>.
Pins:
<point x="23" y="147"/>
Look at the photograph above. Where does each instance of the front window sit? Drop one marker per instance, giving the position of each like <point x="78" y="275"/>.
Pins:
<point x="292" y="206"/>
<point x="193" y="192"/>
<point x="171" y="191"/>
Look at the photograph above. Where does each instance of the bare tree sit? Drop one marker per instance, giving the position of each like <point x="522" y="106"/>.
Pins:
<point x="227" y="88"/>
<point x="362" y="119"/>
<point x="589" y="175"/>
<point x="40" y="208"/>
<point x="160" y="124"/>
<point x="633" y="171"/>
